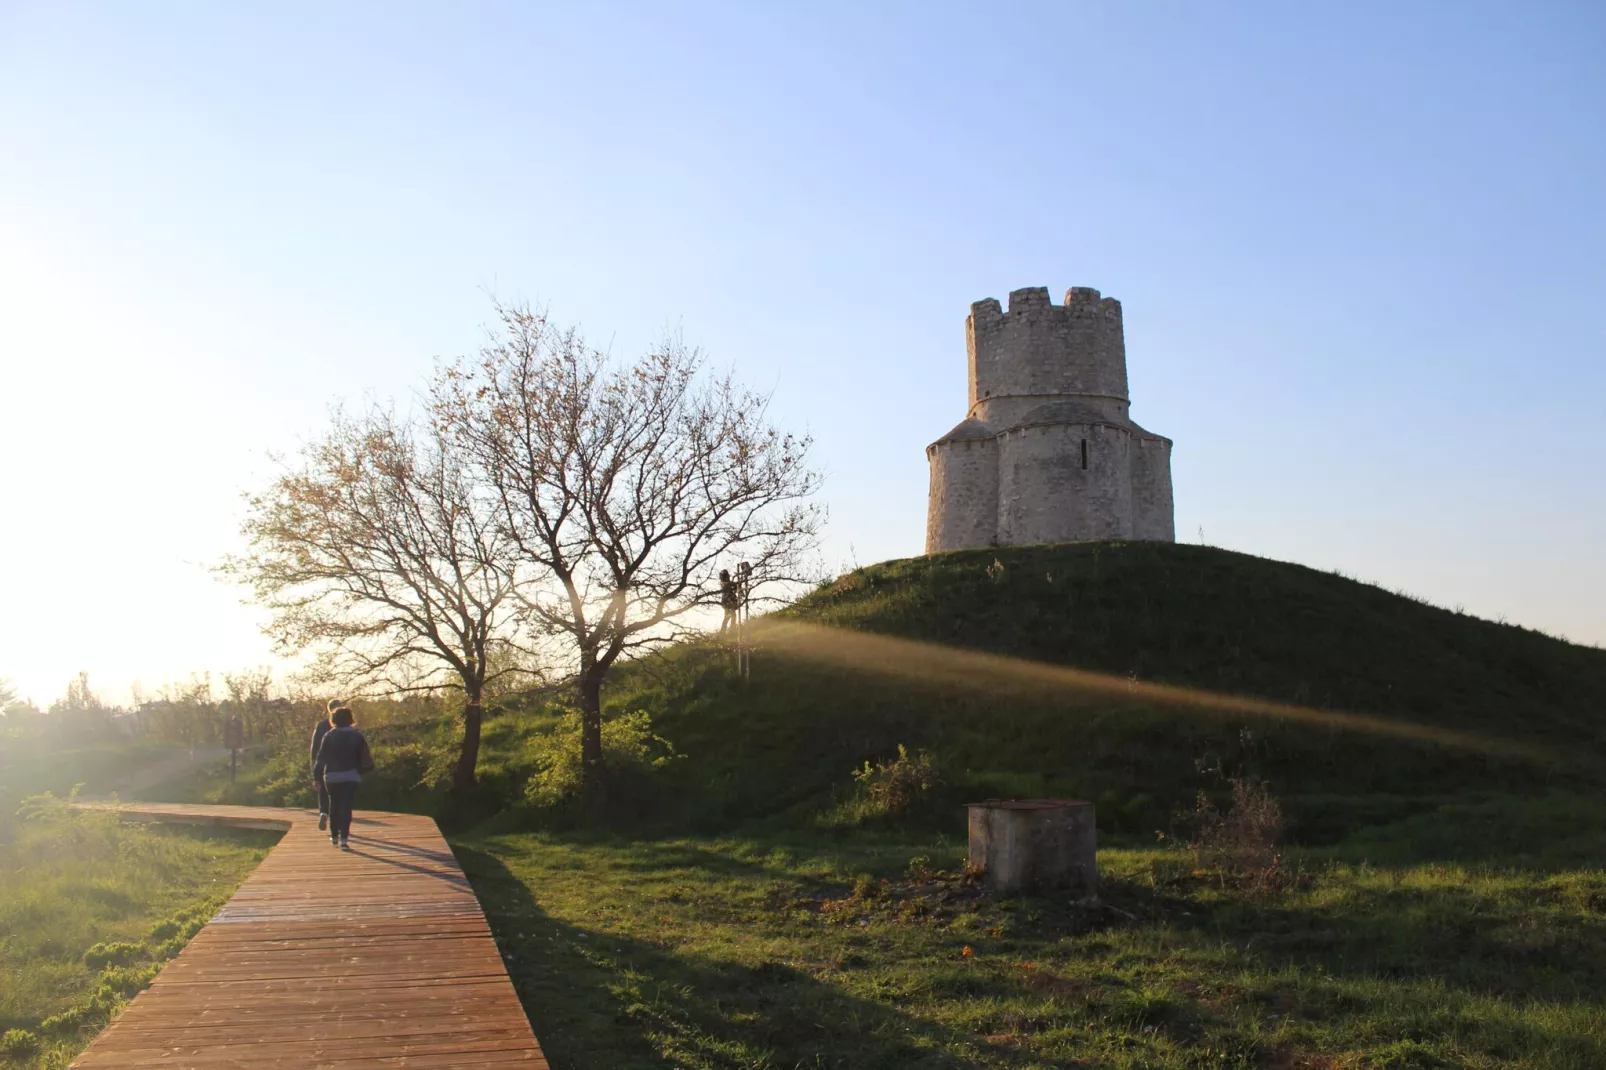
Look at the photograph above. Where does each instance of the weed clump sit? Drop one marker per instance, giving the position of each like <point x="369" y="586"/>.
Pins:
<point x="18" y="1042"/>
<point x="894" y="788"/>
<point x="118" y="953"/>
<point x="1240" y="843"/>
<point x="887" y="791"/>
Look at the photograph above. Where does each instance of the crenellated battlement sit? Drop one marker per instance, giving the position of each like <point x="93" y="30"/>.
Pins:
<point x="1029" y="299"/>
<point x="1037" y="349"/>
<point x="1079" y="301"/>
<point x="986" y="310"/>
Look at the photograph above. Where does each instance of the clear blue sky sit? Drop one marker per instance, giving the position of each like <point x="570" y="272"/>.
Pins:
<point x="1361" y="250"/>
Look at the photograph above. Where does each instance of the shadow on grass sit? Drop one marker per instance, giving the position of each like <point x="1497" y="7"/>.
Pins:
<point x="1447" y="934"/>
<point x="1406" y="958"/>
<point x="603" y="1001"/>
<point x="1364" y="960"/>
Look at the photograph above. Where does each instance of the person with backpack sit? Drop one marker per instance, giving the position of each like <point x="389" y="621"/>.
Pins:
<point x="343" y="757"/>
<point x="319" y="730"/>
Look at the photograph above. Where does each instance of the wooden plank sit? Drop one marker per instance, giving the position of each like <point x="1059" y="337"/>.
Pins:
<point x="365" y="959"/>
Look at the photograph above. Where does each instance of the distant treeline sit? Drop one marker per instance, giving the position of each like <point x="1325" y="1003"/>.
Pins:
<point x="196" y="713"/>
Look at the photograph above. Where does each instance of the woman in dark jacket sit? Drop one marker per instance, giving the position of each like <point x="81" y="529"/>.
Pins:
<point x="319" y="730"/>
<point x="343" y="758"/>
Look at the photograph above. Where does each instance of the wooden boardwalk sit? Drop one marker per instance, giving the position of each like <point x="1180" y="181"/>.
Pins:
<point x="376" y="957"/>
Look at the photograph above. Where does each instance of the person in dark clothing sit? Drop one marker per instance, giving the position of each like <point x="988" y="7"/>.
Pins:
<point x="730" y="600"/>
<point x="343" y="758"/>
<point x="318" y="732"/>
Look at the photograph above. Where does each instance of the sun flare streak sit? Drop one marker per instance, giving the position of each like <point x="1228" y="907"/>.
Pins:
<point x="933" y="664"/>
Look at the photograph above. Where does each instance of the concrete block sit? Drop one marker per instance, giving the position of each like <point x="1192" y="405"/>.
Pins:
<point x="1035" y="846"/>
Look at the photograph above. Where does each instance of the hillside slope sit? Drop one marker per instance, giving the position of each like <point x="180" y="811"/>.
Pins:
<point x="1350" y="700"/>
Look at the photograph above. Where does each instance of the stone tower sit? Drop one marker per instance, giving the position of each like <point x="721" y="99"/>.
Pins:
<point x="1047" y="452"/>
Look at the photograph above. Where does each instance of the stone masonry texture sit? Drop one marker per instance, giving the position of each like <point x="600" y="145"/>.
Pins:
<point x="1047" y="452"/>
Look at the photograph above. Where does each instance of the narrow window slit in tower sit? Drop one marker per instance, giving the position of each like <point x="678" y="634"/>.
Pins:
<point x="1084" y="454"/>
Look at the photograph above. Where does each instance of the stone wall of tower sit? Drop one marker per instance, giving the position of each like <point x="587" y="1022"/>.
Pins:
<point x="962" y="505"/>
<point x="1046" y="495"/>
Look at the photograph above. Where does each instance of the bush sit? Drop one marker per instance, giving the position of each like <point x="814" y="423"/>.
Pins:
<point x="630" y="750"/>
<point x="115" y="987"/>
<point x="1240" y="844"/>
<point x="120" y="953"/>
<point x="18" y="1042"/>
<point x="121" y="983"/>
<point x="70" y="1020"/>
<point x="888" y="790"/>
<point x="894" y="788"/>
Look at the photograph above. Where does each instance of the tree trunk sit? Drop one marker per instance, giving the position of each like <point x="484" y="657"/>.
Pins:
<point x="468" y="759"/>
<point x="591" y="770"/>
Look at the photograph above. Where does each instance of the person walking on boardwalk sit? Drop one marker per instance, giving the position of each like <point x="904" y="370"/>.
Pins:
<point x="343" y="758"/>
<point x="319" y="730"/>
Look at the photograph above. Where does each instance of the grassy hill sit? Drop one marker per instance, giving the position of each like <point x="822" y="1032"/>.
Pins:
<point x="1125" y="672"/>
<point x="1133" y="674"/>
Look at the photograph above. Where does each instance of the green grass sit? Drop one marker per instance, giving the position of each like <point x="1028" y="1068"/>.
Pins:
<point x="89" y="906"/>
<point x="782" y="951"/>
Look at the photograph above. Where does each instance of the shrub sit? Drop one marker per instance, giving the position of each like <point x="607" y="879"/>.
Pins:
<point x="116" y="986"/>
<point x="120" y="983"/>
<point x="114" y="954"/>
<point x="887" y="790"/>
<point x="165" y="929"/>
<point x="69" y="1020"/>
<point x="181" y="936"/>
<point x="171" y="933"/>
<point x="894" y="788"/>
<point x="1240" y="844"/>
<point x="630" y="748"/>
<point x="50" y="828"/>
<point x="18" y="1042"/>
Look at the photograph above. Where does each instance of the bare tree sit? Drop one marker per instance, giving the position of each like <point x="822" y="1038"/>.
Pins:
<point x="186" y="711"/>
<point x="249" y="697"/>
<point x="375" y="552"/>
<point x="623" y="487"/>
